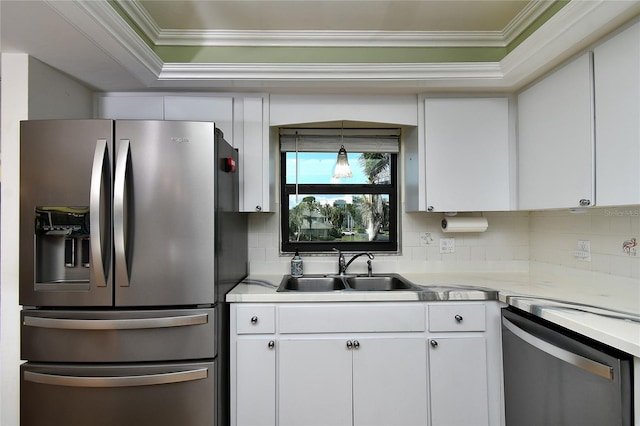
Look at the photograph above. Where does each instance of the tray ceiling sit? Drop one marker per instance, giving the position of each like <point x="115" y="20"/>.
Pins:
<point x="369" y="46"/>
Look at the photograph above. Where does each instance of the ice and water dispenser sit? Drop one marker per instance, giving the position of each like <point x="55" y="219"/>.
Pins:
<point x="62" y="244"/>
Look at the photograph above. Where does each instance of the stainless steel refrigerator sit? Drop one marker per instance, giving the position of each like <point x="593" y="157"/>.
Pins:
<point x="130" y="237"/>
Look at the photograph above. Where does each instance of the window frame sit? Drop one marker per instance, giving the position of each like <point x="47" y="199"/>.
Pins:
<point x="391" y="189"/>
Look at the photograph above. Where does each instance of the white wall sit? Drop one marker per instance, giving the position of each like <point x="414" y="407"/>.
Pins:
<point x="29" y="90"/>
<point x="555" y="234"/>
<point x="14" y="106"/>
<point x="55" y="95"/>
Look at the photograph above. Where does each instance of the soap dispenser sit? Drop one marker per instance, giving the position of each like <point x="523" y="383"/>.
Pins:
<point x="296" y="265"/>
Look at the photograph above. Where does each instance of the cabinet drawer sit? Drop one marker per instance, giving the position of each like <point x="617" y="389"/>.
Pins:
<point x="457" y="317"/>
<point x="350" y="318"/>
<point x="255" y="319"/>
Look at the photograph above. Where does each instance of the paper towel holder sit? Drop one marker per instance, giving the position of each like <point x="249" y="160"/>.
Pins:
<point x="464" y="224"/>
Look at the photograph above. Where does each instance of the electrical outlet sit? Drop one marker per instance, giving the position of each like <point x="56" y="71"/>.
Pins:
<point x="583" y="252"/>
<point x="426" y="239"/>
<point x="447" y="245"/>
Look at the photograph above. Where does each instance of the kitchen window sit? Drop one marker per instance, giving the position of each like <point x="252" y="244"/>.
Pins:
<point x="320" y="212"/>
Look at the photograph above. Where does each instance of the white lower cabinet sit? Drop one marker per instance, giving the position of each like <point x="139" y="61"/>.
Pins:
<point x="357" y="380"/>
<point x="314" y="382"/>
<point x="465" y="364"/>
<point x="458" y="381"/>
<point x="255" y="374"/>
<point x="366" y="364"/>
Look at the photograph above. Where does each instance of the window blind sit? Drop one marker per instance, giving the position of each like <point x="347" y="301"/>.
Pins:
<point x="330" y="140"/>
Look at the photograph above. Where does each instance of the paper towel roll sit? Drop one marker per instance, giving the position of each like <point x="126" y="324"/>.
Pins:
<point x="464" y="224"/>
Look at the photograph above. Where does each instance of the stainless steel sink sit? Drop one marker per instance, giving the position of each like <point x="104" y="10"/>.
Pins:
<point x="311" y="283"/>
<point x="323" y="283"/>
<point x="380" y="283"/>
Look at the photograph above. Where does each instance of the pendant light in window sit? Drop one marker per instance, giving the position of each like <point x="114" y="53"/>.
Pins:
<point x="342" y="169"/>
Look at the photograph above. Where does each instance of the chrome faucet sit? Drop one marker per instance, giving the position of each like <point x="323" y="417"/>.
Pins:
<point x="343" y="265"/>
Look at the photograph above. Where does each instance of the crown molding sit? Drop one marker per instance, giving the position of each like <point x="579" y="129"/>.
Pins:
<point x="572" y="30"/>
<point x="101" y="24"/>
<point x="303" y="38"/>
<point x="331" y="72"/>
<point x="564" y="34"/>
<point x="306" y="38"/>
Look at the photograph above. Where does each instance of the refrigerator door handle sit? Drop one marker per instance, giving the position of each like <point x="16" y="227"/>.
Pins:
<point x="579" y="361"/>
<point x="95" y="203"/>
<point x="117" y="382"/>
<point x="115" y="324"/>
<point x="122" y="161"/>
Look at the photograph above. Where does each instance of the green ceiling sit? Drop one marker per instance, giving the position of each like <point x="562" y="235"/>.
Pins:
<point x="381" y="55"/>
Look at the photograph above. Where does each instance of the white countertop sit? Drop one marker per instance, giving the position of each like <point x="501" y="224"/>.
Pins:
<point x="537" y="292"/>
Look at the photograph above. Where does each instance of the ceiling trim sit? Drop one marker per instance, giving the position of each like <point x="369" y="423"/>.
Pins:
<point x="300" y="38"/>
<point x="331" y="72"/>
<point x="256" y="38"/>
<point x="573" y="29"/>
<point x="564" y="34"/>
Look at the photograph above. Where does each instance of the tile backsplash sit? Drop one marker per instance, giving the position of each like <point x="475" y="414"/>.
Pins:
<point x="613" y="234"/>
<point x="510" y="242"/>
<point x="503" y="247"/>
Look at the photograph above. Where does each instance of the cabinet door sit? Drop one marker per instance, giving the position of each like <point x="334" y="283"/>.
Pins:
<point x="314" y="382"/>
<point x="255" y="382"/>
<point x="130" y="107"/>
<point x="217" y="109"/>
<point x="390" y="381"/>
<point x="556" y="140"/>
<point x="458" y="381"/>
<point x="467" y="154"/>
<point x="255" y="157"/>
<point x="617" y="89"/>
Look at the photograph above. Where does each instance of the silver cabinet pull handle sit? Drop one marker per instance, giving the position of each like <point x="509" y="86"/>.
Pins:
<point x="433" y="343"/>
<point x="100" y="156"/>
<point x="272" y="344"/>
<point x="254" y="320"/>
<point x="119" y="237"/>
<point x="587" y="364"/>
<point x="349" y="344"/>
<point x="116" y="382"/>
<point x="123" y="324"/>
<point x="458" y="318"/>
<point x="356" y="344"/>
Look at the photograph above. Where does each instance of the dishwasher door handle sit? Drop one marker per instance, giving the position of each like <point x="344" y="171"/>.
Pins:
<point x="579" y="361"/>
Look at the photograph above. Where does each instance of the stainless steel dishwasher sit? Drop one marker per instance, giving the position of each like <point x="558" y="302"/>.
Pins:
<point x="555" y="377"/>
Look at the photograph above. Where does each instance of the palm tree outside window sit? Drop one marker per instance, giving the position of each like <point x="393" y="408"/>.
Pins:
<point x="319" y="212"/>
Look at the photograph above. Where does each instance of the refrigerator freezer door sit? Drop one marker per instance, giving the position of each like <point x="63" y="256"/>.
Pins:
<point x="148" y="394"/>
<point x="65" y="212"/>
<point x="164" y="206"/>
<point x="118" y="336"/>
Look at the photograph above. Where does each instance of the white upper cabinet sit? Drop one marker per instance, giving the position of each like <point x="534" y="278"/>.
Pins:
<point x="218" y="109"/>
<point x="136" y="107"/>
<point x="556" y="139"/>
<point x="244" y="120"/>
<point x="460" y="158"/>
<point x="297" y="109"/>
<point x="617" y="95"/>
<point x="251" y="118"/>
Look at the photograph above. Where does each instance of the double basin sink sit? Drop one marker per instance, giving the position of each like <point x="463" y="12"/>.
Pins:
<point x="382" y="282"/>
<point x="322" y="283"/>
